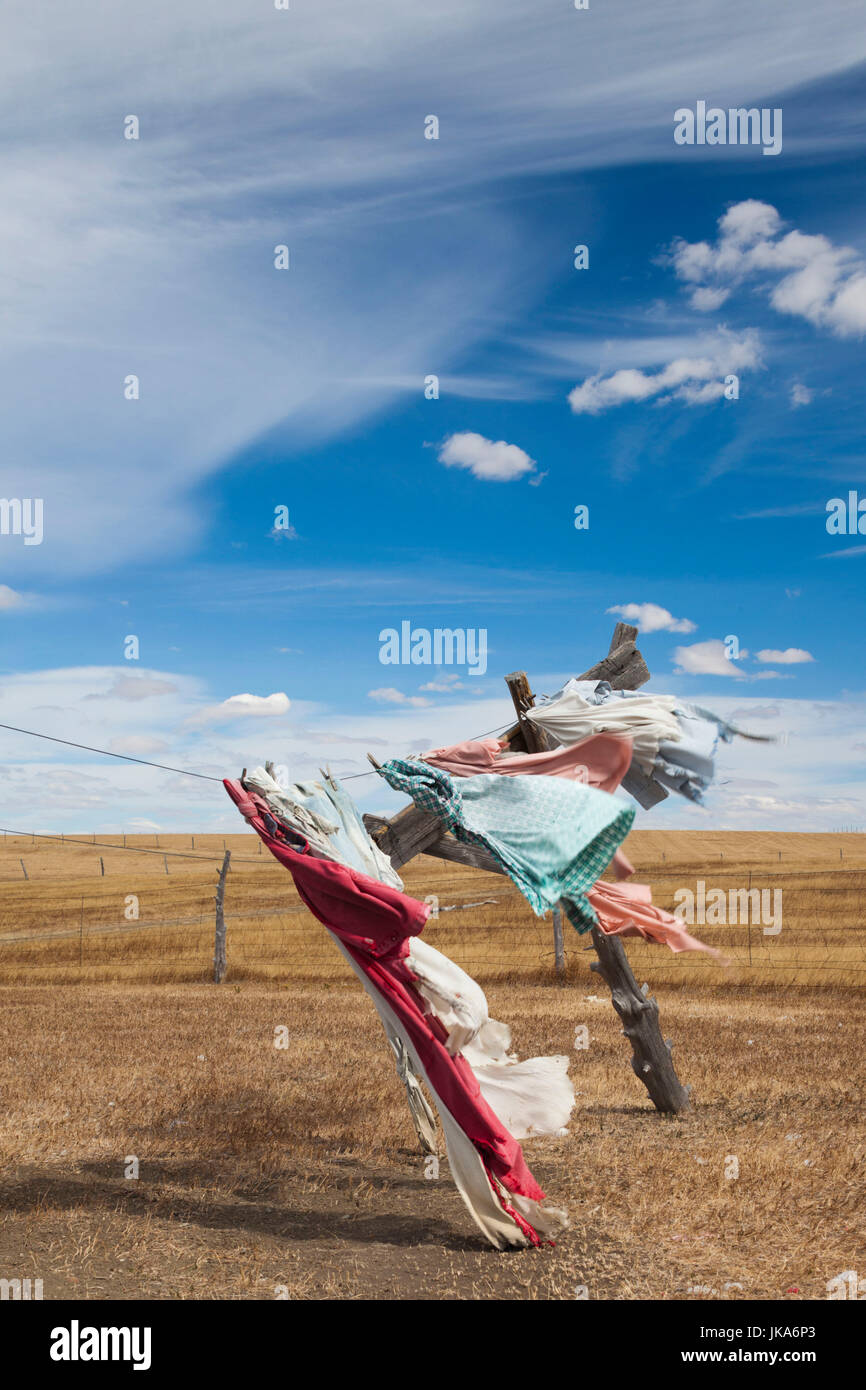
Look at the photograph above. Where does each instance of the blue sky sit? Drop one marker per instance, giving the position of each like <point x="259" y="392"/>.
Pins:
<point x="304" y="388"/>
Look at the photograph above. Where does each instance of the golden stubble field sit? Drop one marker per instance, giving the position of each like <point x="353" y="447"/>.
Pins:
<point x="266" y="1171"/>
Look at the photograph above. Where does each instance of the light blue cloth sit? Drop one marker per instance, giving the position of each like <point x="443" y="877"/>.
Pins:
<point x="554" y="837"/>
<point x="686" y="765"/>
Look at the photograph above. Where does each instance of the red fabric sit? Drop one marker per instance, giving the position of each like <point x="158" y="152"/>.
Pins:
<point x="374" y="923"/>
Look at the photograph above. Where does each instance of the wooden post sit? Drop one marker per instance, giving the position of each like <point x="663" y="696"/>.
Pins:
<point x="558" y="946"/>
<point x="534" y="740"/>
<point x="23" y="870"/>
<point x="219" y="950"/>
<point x="651" y="1056"/>
<point x="81" y="936"/>
<point x="165" y="862"/>
<point x="102" y="866"/>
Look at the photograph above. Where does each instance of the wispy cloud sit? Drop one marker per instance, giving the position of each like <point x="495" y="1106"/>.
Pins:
<point x="387" y="695"/>
<point x="692" y="380"/>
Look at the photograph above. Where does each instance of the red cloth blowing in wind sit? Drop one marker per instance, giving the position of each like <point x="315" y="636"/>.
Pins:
<point x="374" y="923"/>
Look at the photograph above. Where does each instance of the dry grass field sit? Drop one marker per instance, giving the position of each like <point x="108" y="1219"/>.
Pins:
<point x="263" y="1170"/>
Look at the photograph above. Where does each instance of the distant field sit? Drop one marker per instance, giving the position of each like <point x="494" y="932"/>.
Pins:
<point x="262" y="1168"/>
<point x="67" y="922"/>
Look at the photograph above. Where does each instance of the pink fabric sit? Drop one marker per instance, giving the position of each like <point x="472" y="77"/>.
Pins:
<point x="601" y="761"/>
<point x="626" y="909"/>
<point x="374" y="924"/>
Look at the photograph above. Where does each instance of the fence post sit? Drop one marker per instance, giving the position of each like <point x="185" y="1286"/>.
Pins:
<point x="558" y="947"/>
<point x="219" y="950"/>
<point x="23" y="870"/>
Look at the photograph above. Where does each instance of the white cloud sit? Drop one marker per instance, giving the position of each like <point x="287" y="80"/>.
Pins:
<point x="9" y="598"/>
<point x="692" y="380"/>
<point x="494" y="462"/>
<point x="650" y="617"/>
<point x="818" y="280"/>
<point x="801" y="395"/>
<point x="239" y="158"/>
<point x="138" y="687"/>
<point x="389" y="696"/>
<point x="791" y="656"/>
<point x="244" y="707"/>
<point x="706" y="659"/>
<point x="138" y="745"/>
<point x="445" y="681"/>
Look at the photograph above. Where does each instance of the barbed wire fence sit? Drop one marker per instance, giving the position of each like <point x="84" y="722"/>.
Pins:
<point x="495" y="934"/>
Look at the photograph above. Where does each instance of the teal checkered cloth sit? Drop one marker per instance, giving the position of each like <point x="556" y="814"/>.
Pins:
<point x="552" y="836"/>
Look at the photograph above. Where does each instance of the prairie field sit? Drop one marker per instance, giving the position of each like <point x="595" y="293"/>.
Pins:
<point x="155" y="1143"/>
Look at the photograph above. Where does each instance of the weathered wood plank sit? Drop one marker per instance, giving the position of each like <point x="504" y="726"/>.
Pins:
<point x="624" y="667"/>
<point x="534" y="740"/>
<point x="623" y="632"/>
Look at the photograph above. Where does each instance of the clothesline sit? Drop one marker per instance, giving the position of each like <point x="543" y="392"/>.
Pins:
<point x="164" y="767"/>
<point x="124" y="849"/>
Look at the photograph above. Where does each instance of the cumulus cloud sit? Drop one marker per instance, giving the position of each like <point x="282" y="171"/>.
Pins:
<point x="706" y="659"/>
<point x="694" y="380"/>
<point x="800" y="394"/>
<point x="805" y="275"/>
<point x="244" y="707"/>
<point x="791" y="656"/>
<point x="493" y="462"/>
<point x="389" y="696"/>
<point x="651" y="617"/>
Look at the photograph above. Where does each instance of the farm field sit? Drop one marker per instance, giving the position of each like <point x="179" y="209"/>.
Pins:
<point x="264" y="1171"/>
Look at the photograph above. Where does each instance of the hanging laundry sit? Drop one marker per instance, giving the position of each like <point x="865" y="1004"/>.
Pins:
<point x="626" y="909"/>
<point x="598" y="764"/>
<point x="552" y="836"/>
<point x="425" y="1015"/>
<point x="600" y="761"/>
<point x="328" y="819"/>
<point x="674" y="742"/>
<point x="578" y="711"/>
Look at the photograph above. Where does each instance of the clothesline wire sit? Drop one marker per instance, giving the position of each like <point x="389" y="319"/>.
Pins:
<point x="124" y="849"/>
<point x="164" y="767"/>
<point x="88" y="748"/>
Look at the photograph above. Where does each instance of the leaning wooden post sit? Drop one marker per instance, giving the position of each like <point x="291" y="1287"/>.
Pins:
<point x="651" y="1056"/>
<point x="219" y="950"/>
